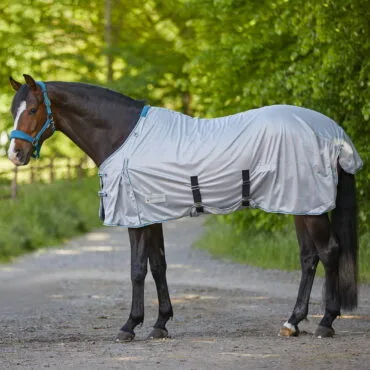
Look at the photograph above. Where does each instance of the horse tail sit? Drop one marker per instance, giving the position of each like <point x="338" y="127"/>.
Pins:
<point x="344" y="221"/>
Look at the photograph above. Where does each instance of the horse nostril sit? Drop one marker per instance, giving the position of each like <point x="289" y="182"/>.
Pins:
<point x="18" y="154"/>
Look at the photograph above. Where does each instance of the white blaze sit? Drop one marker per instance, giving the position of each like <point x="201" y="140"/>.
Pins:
<point x="21" y="109"/>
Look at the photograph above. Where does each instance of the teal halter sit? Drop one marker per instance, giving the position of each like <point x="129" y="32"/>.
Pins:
<point x="35" y="141"/>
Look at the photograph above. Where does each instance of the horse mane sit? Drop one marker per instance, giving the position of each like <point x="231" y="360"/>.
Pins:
<point x="84" y="91"/>
<point x="87" y="90"/>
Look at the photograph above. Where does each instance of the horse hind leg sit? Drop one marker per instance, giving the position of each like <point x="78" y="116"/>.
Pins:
<point x="337" y="245"/>
<point x="327" y="246"/>
<point x="309" y="259"/>
<point x="158" y="266"/>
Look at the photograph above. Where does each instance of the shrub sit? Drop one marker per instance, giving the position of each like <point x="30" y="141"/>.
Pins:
<point x="46" y="214"/>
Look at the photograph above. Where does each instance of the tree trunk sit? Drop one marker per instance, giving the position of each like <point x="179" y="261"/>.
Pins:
<point x="186" y="103"/>
<point x="108" y="39"/>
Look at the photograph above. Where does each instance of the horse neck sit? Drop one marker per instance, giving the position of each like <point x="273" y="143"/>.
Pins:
<point x="96" y="119"/>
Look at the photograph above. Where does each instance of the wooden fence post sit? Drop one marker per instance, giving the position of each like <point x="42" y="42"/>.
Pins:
<point x="51" y="169"/>
<point x="14" y="183"/>
<point x="80" y="171"/>
<point x="38" y="173"/>
<point x="32" y="174"/>
<point x="69" y="169"/>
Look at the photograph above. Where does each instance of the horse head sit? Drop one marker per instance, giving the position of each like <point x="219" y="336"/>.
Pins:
<point x="33" y="122"/>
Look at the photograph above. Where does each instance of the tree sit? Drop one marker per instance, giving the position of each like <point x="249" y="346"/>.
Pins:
<point x="51" y="40"/>
<point x="209" y="57"/>
<point x="308" y="53"/>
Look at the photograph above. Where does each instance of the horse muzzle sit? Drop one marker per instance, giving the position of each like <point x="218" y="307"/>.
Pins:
<point x="19" y="156"/>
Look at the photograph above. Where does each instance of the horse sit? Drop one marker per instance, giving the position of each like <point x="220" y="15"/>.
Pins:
<point x="99" y="121"/>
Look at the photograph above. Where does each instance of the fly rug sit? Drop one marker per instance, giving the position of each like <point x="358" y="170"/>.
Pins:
<point x="173" y="165"/>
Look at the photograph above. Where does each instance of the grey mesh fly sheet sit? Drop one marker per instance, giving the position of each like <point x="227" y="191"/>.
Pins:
<point x="277" y="158"/>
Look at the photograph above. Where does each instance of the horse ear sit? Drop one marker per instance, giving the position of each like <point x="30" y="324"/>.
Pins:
<point x="30" y="82"/>
<point x="15" y="84"/>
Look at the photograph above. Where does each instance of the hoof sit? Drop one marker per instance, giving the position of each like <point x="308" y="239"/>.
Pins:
<point x="289" y="332"/>
<point x="125" y="336"/>
<point x="158" y="333"/>
<point x="324" y="332"/>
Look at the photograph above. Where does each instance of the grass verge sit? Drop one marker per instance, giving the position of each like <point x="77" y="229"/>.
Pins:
<point x="46" y="214"/>
<point x="269" y="250"/>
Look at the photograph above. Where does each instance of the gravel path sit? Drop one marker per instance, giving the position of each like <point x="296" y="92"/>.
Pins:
<point x="61" y="308"/>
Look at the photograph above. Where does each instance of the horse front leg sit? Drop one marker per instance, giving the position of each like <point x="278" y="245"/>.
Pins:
<point x="139" y="240"/>
<point x="158" y="266"/>
<point x="309" y="259"/>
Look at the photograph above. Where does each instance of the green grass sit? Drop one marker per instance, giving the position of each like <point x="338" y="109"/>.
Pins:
<point x="364" y="258"/>
<point x="269" y="250"/>
<point x="272" y="250"/>
<point x="46" y="214"/>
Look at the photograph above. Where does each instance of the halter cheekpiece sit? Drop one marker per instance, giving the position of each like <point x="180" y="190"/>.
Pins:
<point x="35" y="141"/>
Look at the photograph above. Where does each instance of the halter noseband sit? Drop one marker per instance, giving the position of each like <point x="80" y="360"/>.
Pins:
<point x="18" y="134"/>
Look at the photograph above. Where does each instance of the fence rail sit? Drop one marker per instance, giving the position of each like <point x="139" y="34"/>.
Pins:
<point x="46" y="171"/>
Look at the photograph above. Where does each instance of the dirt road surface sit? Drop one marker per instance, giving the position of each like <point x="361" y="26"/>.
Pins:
<point x="61" y="309"/>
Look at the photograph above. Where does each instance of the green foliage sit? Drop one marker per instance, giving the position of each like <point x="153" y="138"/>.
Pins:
<point x="364" y="258"/>
<point x="209" y="57"/>
<point x="49" y="40"/>
<point x="46" y="214"/>
<point x="247" y="54"/>
<point x="146" y="63"/>
<point x="255" y="219"/>
<point x="266" y="248"/>
<point x="273" y="250"/>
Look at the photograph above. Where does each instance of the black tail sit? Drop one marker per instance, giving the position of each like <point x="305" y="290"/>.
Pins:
<point x="344" y="221"/>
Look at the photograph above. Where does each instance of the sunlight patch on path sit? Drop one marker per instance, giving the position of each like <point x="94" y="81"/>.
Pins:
<point x="190" y="297"/>
<point x="66" y="252"/>
<point x="99" y="248"/>
<point x="96" y="236"/>
<point x="129" y="358"/>
<point x="350" y="317"/>
<point x="258" y="355"/>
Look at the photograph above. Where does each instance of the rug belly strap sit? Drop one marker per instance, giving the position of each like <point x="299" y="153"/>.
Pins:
<point x="246" y="188"/>
<point x="196" y="194"/>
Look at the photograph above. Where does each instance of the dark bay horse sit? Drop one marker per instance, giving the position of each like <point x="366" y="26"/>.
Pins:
<point x="99" y="120"/>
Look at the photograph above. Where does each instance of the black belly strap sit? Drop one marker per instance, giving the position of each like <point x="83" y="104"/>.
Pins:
<point x="246" y="187"/>
<point x="196" y="193"/>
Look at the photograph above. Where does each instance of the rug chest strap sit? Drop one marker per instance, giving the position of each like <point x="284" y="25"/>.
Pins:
<point x="245" y="188"/>
<point x="196" y="193"/>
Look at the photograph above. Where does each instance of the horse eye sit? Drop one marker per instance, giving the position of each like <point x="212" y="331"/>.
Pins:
<point x="33" y="110"/>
